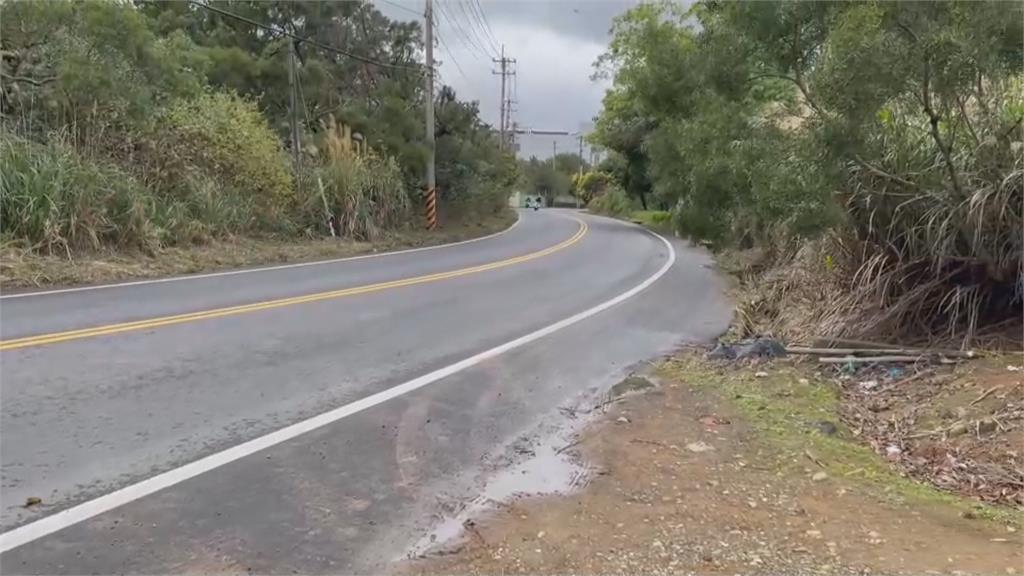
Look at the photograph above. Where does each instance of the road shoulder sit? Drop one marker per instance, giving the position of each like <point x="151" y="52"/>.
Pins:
<point x="691" y="479"/>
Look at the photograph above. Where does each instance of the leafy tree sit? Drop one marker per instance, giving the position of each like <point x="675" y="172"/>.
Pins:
<point x="894" y="122"/>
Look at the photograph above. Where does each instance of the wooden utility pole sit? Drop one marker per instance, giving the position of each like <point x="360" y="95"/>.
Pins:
<point x="430" y="197"/>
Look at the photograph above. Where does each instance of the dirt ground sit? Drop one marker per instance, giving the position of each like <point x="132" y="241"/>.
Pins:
<point x="727" y="471"/>
<point x="20" y="267"/>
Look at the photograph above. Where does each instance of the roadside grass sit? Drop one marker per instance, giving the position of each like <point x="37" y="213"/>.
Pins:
<point x="785" y="408"/>
<point x="657" y="220"/>
<point x="21" y="267"/>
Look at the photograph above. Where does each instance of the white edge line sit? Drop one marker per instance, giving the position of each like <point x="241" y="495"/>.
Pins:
<point x="260" y="269"/>
<point x="71" y="516"/>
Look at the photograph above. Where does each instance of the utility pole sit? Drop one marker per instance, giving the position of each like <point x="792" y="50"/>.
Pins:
<point x="505" y="101"/>
<point x="431" y="192"/>
<point x="504" y="74"/>
<point x="579" y="178"/>
<point x="294" y="119"/>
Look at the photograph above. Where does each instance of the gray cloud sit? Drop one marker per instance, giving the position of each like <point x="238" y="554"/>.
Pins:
<point x="554" y="43"/>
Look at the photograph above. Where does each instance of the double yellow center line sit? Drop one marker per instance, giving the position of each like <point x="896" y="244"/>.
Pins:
<point x="55" y="337"/>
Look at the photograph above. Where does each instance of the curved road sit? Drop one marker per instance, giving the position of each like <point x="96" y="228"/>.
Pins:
<point x="307" y="418"/>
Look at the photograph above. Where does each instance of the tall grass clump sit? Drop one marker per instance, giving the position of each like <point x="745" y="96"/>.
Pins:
<point x="54" y="200"/>
<point x="362" y="190"/>
<point x="614" y="202"/>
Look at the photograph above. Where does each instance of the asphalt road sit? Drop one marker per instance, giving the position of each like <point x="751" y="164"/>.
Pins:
<point x="315" y="418"/>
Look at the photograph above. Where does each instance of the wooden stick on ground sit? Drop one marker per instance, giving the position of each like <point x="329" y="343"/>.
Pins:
<point x="984" y="395"/>
<point x="850" y="343"/>
<point x="889" y="351"/>
<point x="868" y="359"/>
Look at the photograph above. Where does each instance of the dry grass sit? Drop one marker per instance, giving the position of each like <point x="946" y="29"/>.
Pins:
<point x="21" y="267"/>
<point x="824" y="289"/>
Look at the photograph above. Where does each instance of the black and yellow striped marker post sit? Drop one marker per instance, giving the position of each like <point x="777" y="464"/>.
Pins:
<point x="430" y="198"/>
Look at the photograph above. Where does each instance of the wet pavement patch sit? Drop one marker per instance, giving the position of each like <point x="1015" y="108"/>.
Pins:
<point x="631" y="384"/>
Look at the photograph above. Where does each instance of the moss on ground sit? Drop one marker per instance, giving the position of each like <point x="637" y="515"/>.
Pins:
<point x="787" y="406"/>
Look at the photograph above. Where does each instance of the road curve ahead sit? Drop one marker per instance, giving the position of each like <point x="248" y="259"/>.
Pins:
<point x="310" y="418"/>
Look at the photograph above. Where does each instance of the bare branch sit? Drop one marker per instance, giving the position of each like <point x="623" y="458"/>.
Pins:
<point x="879" y="172"/>
<point x="933" y="120"/>
<point x="967" y="121"/>
<point x="27" y="80"/>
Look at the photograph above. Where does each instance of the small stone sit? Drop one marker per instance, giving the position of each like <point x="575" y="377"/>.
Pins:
<point x="540" y="534"/>
<point x="813" y="534"/>
<point x="893" y="453"/>
<point x="819" y="476"/>
<point x="803" y="381"/>
<point x="1011" y="529"/>
<point x="657" y="544"/>
<point x="699" y="446"/>
<point x="868" y="385"/>
<point x="760" y="374"/>
<point x="826" y="428"/>
<point x="1011" y="570"/>
<point x="33" y="501"/>
<point x="622" y="420"/>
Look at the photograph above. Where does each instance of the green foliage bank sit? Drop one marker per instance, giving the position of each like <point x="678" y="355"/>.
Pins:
<point x="148" y="124"/>
<point x="874" y="148"/>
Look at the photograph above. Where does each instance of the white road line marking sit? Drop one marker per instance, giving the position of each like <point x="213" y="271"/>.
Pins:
<point x="75" y="514"/>
<point x="261" y="269"/>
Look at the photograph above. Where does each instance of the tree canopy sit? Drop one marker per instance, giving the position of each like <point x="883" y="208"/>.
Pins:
<point x="188" y="99"/>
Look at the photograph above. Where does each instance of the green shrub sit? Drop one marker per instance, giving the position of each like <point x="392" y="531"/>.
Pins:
<point x="614" y="202"/>
<point x="223" y="139"/>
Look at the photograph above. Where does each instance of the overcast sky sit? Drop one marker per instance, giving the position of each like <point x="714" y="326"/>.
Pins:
<point x="554" y="43"/>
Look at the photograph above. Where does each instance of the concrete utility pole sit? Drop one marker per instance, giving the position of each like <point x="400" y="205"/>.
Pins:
<point x="579" y="178"/>
<point x="294" y="116"/>
<point x="505" y="101"/>
<point x="504" y="74"/>
<point x="430" y="198"/>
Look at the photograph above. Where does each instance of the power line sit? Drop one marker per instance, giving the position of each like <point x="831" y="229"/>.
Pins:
<point x="487" y="25"/>
<point x="307" y="40"/>
<point x="401" y="7"/>
<point x="473" y="26"/>
<point x="467" y="40"/>
<point x="482" y="26"/>
<point x="444" y="46"/>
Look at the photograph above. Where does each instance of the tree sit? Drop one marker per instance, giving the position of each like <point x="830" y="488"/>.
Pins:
<point x="891" y="122"/>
